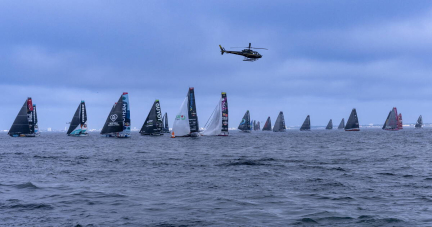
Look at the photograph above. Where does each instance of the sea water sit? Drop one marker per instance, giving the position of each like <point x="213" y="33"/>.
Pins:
<point x="317" y="178"/>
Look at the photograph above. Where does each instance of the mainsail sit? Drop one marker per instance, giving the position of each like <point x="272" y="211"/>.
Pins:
<point x="342" y="124"/>
<point x="279" y="125"/>
<point x="306" y="124"/>
<point x="352" y="123"/>
<point x="165" y="128"/>
<point x="153" y="123"/>
<point x="36" y="127"/>
<point x="399" y="124"/>
<point x="245" y="123"/>
<point x="126" y="117"/>
<point x="217" y="125"/>
<point x="258" y="125"/>
<point x="23" y="124"/>
<point x="114" y="122"/>
<point x="186" y="121"/>
<point x="267" y="125"/>
<point x="330" y="124"/>
<point x="419" y="123"/>
<point x="78" y="125"/>
<point x="392" y="120"/>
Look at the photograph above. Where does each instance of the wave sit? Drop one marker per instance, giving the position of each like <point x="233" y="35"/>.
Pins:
<point x="29" y="206"/>
<point x="249" y="162"/>
<point x="26" y="185"/>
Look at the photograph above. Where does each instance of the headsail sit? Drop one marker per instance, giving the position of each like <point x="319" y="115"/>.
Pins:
<point x="245" y="123"/>
<point x="306" y="124"/>
<point x="21" y="126"/>
<point x="267" y="125"/>
<point x="352" y="123"/>
<point x="153" y="123"/>
<point x="330" y="124"/>
<point x="114" y="122"/>
<point x="342" y="124"/>
<point x="279" y="125"/>
<point x="419" y="123"/>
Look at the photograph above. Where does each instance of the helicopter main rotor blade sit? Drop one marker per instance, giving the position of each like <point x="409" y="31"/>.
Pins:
<point x="259" y="48"/>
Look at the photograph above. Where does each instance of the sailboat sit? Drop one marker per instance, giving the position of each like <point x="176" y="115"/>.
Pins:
<point x="25" y="121"/>
<point x="352" y="123"/>
<point x="153" y="123"/>
<point x="342" y="124"/>
<point x="399" y="124"/>
<point x="258" y="125"/>
<point x="165" y="128"/>
<point x="279" y="125"/>
<point x="330" y="124"/>
<point x="392" y="121"/>
<point x="267" y="125"/>
<point x="78" y="125"/>
<point x="118" y="121"/>
<point x="254" y="125"/>
<point x="244" y="125"/>
<point x="419" y="123"/>
<point x="186" y="121"/>
<point x="217" y="125"/>
<point x="306" y="124"/>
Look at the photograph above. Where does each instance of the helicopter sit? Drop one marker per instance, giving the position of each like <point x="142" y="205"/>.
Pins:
<point x="249" y="55"/>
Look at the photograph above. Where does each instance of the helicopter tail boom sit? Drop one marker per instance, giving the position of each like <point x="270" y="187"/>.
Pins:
<point x="222" y="50"/>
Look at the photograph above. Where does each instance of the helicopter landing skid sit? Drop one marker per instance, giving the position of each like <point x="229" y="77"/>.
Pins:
<point x="250" y="59"/>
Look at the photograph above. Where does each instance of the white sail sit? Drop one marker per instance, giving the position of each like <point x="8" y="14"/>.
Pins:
<point x="181" y="123"/>
<point x="214" y="127"/>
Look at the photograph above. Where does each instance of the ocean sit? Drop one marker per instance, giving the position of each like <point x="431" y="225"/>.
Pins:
<point x="317" y="178"/>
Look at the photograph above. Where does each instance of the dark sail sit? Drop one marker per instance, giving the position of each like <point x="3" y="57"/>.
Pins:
<point x="267" y="125"/>
<point x="330" y="124"/>
<point x="192" y="112"/>
<point x="165" y="128"/>
<point x="419" y="123"/>
<point x="75" y="120"/>
<point x="114" y="121"/>
<point x="83" y="113"/>
<point x="21" y="123"/>
<point x="224" y="112"/>
<point x="279" y="125"/>
<point x="245" y="122"/>
<point x="342" y="124"/>
<point x="306" y="124"/>
<point x="386" y="121"/>
<point x="352" y="123"/>
<point x="259" y="125"/>
<point x="153" y="123"/>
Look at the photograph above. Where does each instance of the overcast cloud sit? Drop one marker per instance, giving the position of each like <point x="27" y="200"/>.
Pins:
<point x="324" y="58"/>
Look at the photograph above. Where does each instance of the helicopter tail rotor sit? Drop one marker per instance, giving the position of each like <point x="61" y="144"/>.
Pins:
<point x="222" y="49"/>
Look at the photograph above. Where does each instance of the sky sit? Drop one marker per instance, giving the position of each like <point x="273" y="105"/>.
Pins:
<point x="323" y="59"/>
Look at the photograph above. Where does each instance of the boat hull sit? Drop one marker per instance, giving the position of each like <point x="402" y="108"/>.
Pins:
<point x="352" y="130"/>
<point x="79" y="135"/>
<point x="22" y="135"/>
<point x="246" y="131"/>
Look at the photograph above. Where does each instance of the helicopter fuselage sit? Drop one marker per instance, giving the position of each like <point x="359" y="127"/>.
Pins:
<point x="246" y="53"/>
